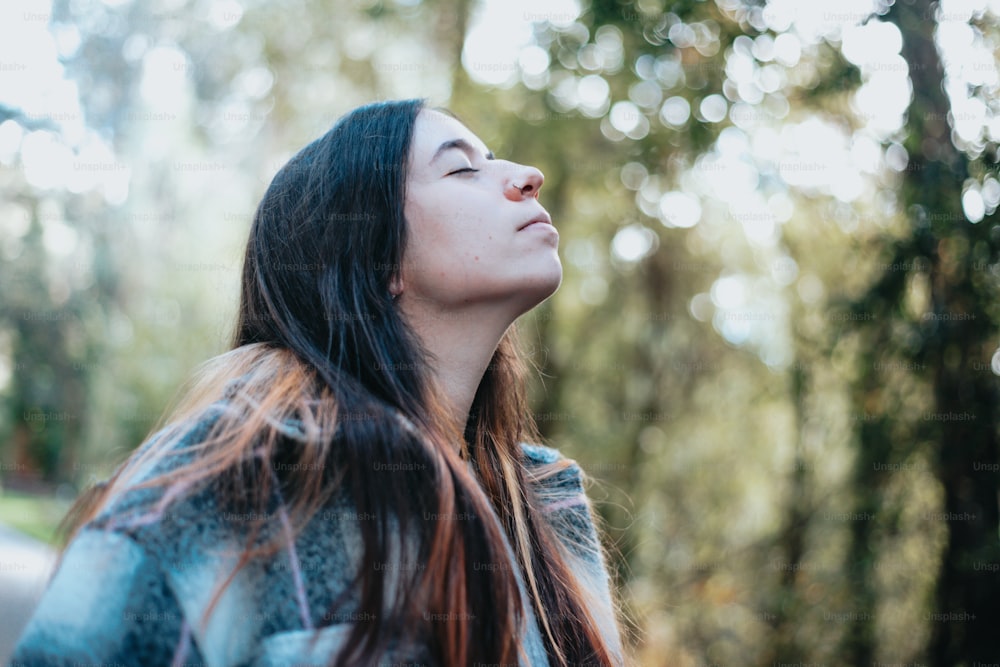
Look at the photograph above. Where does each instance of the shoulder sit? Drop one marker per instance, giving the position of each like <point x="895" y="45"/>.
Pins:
<point x="163" y="514"/>
<point x="536" y="456"/>
<point x="540" y="454"/>
<point x="552" y="473"/>
<point x="557" y="483"/>
<point x="161" y="453"/>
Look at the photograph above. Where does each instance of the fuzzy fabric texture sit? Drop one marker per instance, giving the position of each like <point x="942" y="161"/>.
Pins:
<point x="132" y="586"/>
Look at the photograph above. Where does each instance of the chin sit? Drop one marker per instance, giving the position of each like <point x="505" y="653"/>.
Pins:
<point x="554" y="280"/>
<point x="541" y="286"/>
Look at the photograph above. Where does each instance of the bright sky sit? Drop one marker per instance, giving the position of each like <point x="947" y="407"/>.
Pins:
<point x="500" y="50"/>
<point x="64" y="154"/>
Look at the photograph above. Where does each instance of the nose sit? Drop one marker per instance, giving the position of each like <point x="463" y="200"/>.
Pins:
<point x="524" y="184"/>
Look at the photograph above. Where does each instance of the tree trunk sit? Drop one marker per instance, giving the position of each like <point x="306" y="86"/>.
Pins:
<point x="965" y="616"/>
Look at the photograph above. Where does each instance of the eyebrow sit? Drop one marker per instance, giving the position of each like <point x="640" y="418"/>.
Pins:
<point x="460" y="144"/>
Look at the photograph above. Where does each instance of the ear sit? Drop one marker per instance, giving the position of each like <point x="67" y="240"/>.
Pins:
<point x="396" y="285"/>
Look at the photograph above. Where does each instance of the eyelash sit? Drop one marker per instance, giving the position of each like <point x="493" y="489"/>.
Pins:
<point x="463" y="170"/>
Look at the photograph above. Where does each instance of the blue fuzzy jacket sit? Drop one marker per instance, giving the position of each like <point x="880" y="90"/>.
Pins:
<point x="133" y="593"/>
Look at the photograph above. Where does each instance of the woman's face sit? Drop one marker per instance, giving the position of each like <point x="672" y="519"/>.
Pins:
<point x="470" y="238"/>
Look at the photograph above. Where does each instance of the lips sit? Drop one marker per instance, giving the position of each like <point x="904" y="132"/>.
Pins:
<point x="542" y="218"/>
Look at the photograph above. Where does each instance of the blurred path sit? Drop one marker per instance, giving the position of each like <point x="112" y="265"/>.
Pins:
<point x="25" y="565"/>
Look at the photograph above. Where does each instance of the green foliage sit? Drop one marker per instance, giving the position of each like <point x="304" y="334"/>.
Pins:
<point x="37" y="516"/>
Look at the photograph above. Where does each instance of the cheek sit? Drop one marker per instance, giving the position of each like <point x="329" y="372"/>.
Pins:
<point x="451" y="251"/>
<point x="447" y="232"/>
<point x="432" y="241"/>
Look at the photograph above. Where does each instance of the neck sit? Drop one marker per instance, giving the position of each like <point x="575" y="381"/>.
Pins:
<point x="461" y="345"/>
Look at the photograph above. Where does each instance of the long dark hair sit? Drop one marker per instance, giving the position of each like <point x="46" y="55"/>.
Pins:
<point x="319" y="340"/>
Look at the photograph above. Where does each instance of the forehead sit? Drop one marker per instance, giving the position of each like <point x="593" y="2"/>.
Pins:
<point x="432" y="129"/>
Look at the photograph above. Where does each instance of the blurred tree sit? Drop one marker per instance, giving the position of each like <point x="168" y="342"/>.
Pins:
<point x="50" y="302"/>
<point x="663" y="412"/>
<point x="948" y="260"/>
<point x="611" y="388"/>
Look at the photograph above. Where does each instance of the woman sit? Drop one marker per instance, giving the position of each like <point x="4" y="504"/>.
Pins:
<point x="351" y="483"/>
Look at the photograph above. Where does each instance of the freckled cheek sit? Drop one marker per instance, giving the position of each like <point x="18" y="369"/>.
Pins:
<point x="427" y="225"/>
<point x="466" y="221"/>
<point x="444" y="231"/>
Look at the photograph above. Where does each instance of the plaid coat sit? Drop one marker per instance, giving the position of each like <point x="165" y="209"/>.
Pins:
<point x="132" y="586"/>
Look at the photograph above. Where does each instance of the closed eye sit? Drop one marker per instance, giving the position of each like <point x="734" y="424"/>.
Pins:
<point x="463" y="170"/>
